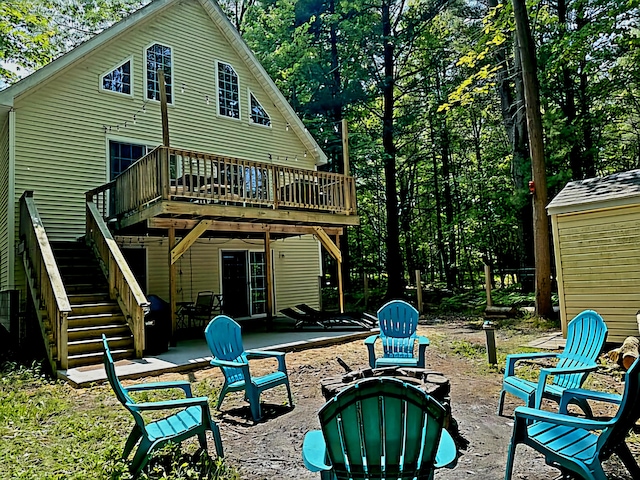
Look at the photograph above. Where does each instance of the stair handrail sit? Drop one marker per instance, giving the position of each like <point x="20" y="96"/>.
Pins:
<point x="123" y="285"/>
<point x="44" y="279"/>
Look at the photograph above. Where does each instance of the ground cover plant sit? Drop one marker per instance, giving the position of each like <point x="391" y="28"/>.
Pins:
<point x="49" y="430"/>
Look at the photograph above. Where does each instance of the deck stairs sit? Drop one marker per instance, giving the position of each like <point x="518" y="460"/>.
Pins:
<point x="92" y="312"/>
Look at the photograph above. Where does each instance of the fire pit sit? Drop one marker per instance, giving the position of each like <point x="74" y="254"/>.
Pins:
<point x="432" y="382"/>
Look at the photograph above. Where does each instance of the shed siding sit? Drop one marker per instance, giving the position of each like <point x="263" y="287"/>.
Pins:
<point x="61" y="145"/>
<point x="4" y="205"/>
<point x="600" y="260"/>
<point x="296" y="268"/>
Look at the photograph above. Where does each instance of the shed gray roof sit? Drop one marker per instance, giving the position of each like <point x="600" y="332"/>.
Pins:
<point x="596" y="193"/>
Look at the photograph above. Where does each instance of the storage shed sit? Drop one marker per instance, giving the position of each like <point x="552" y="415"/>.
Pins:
<point x="596" y="236"/>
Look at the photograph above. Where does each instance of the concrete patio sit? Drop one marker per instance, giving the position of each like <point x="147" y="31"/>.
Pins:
<point x="194" y="354"/>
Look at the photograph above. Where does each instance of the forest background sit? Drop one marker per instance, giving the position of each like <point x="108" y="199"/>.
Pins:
<point x="433" y="96"/>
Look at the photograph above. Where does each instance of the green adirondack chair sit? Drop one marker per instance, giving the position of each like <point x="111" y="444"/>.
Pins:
<point x="379" y="428"/>
<point x="188" y="417"/>
<point x="586" y="335"/>
<point x="398" y="322"/>
<point x="225" y="342"/>
<point x="569" y="442"/>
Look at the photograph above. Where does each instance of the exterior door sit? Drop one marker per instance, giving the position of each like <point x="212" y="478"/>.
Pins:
<point x="235" y="289"/>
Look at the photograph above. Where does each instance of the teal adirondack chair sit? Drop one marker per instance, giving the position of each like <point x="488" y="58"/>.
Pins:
<point x="569" y="442"/>
<point x="398" y="323"/>
<point x="225" y="342"/>
<point x="189" y="417"/>
<point x="586" y="335"/>
<point x="379" y="428"/>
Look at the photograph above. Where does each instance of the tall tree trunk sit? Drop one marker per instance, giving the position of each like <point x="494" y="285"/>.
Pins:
<point x="534" y="125"/>
<point x="337" y="115"/>
<point x="395" y="287"/>
<point x="440" y="250"/>
<point x="569" y="104"/>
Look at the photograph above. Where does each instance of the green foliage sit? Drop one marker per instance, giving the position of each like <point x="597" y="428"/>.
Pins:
<point x="51" y="431"/>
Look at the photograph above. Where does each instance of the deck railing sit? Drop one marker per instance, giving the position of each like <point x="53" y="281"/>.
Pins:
<point x="45" y="282"/>
<point x="174" y="174"/>
<point x="123" y="286"/>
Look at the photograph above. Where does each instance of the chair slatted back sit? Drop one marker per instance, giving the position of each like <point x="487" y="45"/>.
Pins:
<point x="224" y="337"/>
<point x="627" y="416"/>
<point x="586" y="335"/>
<point x="113" y="379"/>
<point x="398" y="322"/>
<point x="382" y="428"/>
<point x="204" y="303"/>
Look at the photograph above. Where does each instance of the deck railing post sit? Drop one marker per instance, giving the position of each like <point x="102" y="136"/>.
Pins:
<point x="164" y="172"/>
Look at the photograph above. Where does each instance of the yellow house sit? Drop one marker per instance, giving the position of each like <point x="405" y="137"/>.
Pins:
<point x="596" y="236"/>
<point x="210" y="184"/>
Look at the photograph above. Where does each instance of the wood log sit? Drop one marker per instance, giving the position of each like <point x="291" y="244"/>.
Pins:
<point x="627" y="353"/>
<point x="502" y="312"/>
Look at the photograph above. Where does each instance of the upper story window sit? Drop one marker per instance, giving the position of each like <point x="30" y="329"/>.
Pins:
<point x="119" y="79"/>
<point x="159" y="57"/>
<point x="258" y="114"/>
<point x="228" y="91"/>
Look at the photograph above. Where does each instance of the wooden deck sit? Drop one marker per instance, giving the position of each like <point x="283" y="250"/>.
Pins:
<point x="171" y="187"/>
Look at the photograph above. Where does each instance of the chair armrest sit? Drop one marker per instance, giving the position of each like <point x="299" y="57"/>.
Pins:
<point x="168" y="404"/>
<point x="545" y="372"/>
<point x="423" y="343"/>
<point x="537" y="415"/>
<point x="181" y="384"/>
<point x="510" y="367"/>
<point x="584" y="394"/>
<point x="371" y="339"/>
<point x="370" y="342"/>
<point x="314" y="451"/>
<point x="263" y="354"/>
<point x="226" y="363"/>
<point x="446" y="452"/>
<point x="256" y="354"/>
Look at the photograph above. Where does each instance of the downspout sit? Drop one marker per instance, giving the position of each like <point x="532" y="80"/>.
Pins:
<point x="11" y="206"/>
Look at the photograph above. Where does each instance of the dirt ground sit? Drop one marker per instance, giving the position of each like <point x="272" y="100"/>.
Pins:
<point x="271" y="449"/>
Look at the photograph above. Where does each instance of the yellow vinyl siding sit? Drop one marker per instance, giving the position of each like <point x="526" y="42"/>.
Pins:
<point x="296" y="267"/>
<point x="598" y="253"/>
<point x="61" y="145"/>
<point x="4" y="205"/>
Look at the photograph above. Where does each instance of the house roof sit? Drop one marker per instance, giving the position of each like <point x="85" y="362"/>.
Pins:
<point x="611" y="191"/>
<point x="36" y="79"/>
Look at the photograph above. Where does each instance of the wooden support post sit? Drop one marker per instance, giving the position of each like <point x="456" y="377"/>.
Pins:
<point x="339" y="261"/>
<point x="366" y="291"/>
<point x="487" y="284"/>
<point x="163" y="108"/>
<point x="345" y="159"/>
<point x="172" y="285"/>
<point x="419" y="290"/>
<point x="269" y="274"/>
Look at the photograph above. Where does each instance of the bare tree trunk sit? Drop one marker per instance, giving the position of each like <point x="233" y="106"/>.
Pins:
<point x="536" y="143"/>
<point x="395" y="287"/>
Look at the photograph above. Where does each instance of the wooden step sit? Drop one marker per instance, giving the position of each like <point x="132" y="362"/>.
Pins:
<point x="96" y="357"/>
<point x="81" y="347"/>
<point x="98" y="319"/>
<point x="95" y="332"/>
<point x="95" y="308"/>
<point x="96" y="297"/>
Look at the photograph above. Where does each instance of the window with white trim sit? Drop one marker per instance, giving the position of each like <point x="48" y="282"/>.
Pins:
<point x="258" y="114"/>
<point x="159" y="57"/>
<point x="119" y="79"/>
<point x="228" y="91"/>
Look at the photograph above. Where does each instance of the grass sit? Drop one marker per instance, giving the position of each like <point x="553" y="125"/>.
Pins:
<point x="51" y="431"/>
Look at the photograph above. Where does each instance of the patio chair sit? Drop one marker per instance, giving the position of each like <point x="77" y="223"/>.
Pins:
<point x="186" y="417"/>
<point x="586" y="335"/>
<point x="199" y="312"/>
<point x="569" y="442"/>
<point x="398" y="322"/>
<point x="225" y="342"/>
<point x="379" y="428"/>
